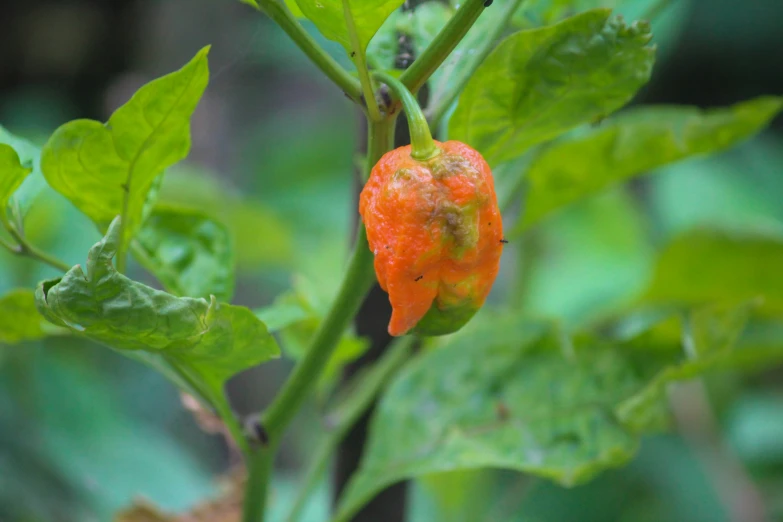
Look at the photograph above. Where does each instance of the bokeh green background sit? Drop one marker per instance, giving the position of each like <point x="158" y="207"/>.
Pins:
<point x="84" y="431"/>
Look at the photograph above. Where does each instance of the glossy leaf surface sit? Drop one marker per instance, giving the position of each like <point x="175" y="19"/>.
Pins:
<point x="541" y="83"/>
<point x="633" y="143"/>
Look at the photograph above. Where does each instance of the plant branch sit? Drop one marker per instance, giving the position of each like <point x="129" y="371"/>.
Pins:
<point x="357" y="55"/>
<point x="25" y="249"/>
<point x="446" y="40"/>
<point x="360" y="394"/>
<point x="356" y="283"/>
<point x="466" y="71"/>
<point x="280" y="14"/>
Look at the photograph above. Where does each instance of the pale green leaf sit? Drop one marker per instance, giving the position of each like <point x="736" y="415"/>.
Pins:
<point x="281" y="315"/>
<point x="107" y="170"/>
<point x="517" y="395"/>
<point x="30" y="157"/>
<point x="541" y="83"/>
<point x="294" y="8"/>
<point x="634" y="143"/>
<point x="368" y="15"/>
<point x="12" y="174"/>
<point x="502" y="396"/>
<point x="723" y="267"/>
<point x="189" y="252"/>
<point x="204" y="341"/>
<point x="19" y="319"/>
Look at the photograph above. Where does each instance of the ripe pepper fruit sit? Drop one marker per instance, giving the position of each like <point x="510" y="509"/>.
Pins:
<point x="434" y="226"/>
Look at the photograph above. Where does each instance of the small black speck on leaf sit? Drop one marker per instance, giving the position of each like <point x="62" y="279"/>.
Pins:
<point x="353" y="53"/>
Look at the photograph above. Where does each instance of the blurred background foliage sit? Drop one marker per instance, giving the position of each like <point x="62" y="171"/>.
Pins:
<point x="84" y="432"/>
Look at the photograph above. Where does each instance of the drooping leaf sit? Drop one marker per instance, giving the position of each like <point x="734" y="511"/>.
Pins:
<point x="107" y="170"/>
<point x="540" y="83"/>
<point x="368" y="15"/>
<point x="510" y="394"/>
<point x="633" y="143"/>
<point x="30" y="157"/>
<point x="12" y="174"/>
<point x="204" y="341"/>
<point x="189" y="252"/>
<point x="19" y="319"/>
<point x="716" y="266"/>
<point x="502" y="396"/>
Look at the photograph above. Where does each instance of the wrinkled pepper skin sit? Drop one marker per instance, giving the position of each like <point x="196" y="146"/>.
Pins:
<point x="436" y="232"/>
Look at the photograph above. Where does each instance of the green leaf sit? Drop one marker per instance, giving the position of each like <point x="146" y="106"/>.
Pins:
<point x="539" y="84"/>
<point x="368" y="16"/>
<point x="281" y="315"/>
<point x="12" y="174"/>
<point x="206" y="342"/>
<point x="108" y="169"/>
<point x="189" y="252"/>
<point x="30" y="157"/>
<point x="502" y="396"/>
<point x="19" y="319"/>
<point x="723" y="267"/>
<point x="517" y="395"/>
<point x="294" y="8"/>
<point x="633" y="143"/>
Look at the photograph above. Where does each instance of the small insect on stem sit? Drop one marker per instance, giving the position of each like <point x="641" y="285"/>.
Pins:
<point x="504" y="241"/>
<point x="353" y="53"/>
<point x="256" y="432"/>
<point x="419" y="278"/>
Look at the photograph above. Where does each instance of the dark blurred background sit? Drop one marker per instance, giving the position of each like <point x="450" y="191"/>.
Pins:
<point x="84" y="432"/>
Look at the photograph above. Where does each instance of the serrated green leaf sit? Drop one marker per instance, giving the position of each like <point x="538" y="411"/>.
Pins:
<point x="717" y="266"/>
<point x="189" y="252"/>
<point x="12" y="174"/>
<point x="19" y="319"/>
<point x="205" y="341"/>
<point x="368" y="15"/>
<point x="633" y="143"/>
<point x="107" y="170"/>
<point x="539" y="84"/>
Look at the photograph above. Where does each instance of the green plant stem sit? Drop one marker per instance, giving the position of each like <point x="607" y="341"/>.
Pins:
<point x="361" y="66"/>
<point x="25" y="249"/>
<point x="356" y="283"/>
<point x="446" y="40"/>
<point x="280" y="14"/>
<point x="258" y="479"/>
<point x="359" y="394"/>
<point x="422" y="145"/>
<point x="465" y="71"/>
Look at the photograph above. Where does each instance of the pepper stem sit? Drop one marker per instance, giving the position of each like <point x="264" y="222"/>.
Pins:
<point x="422" y="145"/>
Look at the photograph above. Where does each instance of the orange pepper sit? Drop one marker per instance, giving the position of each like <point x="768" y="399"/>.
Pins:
<point x="435" y="228"/>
